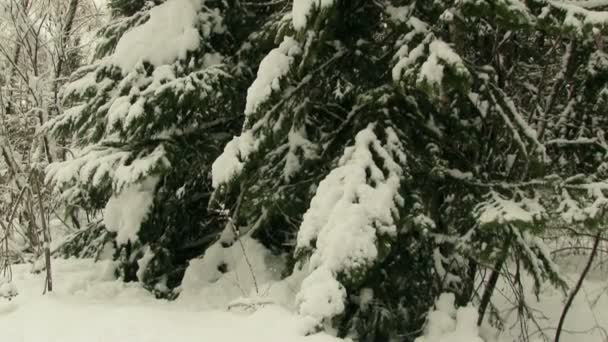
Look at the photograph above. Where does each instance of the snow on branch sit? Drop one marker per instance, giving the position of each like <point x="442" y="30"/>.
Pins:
<point x="102" y="165"/>
<point x="499" y="210"/>
<point x="351" y="219"/>
<point x="125" y="212"/>
<point x="428" y="65"/>
<point x="272" y="68"/>
<point x="574" y="17"/>
<point x="302" y="11"/>
<point x="163" y="38"/>
<point x="232" y="161"/>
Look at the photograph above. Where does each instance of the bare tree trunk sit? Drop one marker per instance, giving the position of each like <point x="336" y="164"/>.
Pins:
<point x="9" y="80"/>
<point x="62" y="54"/>
<point x="13" y="167"/>
<point x="24" y="4"/>
<point x="46" y="234"/>
<point x="494" y="276"/>
<point x="579" y="283"/>
<point x="33" y="226"/>
<point x="11" y="72"/>
<point x="66" y="32"/>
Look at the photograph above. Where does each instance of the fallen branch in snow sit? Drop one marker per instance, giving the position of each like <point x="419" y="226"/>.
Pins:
<point x="249" y="304"/>
<point x="576" y="248"/>
<point x="572" y="295"/>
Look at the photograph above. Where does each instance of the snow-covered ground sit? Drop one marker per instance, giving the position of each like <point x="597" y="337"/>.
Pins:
<point x="88" y="306"/>
<point x="587" y="319"/>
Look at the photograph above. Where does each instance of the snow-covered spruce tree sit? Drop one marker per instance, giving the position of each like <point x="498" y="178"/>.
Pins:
<point x="146" y="119"/>
<point x="397" y="149"/>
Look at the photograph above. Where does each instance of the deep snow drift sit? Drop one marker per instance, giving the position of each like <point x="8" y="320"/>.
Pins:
<point x="89" y="305"/>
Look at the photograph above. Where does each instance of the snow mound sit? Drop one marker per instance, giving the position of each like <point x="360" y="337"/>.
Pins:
<point x="87" y="306"/>
<point x="227" y="275"/>
<point x="448" y="324"/>
<point x="8" y="290"/>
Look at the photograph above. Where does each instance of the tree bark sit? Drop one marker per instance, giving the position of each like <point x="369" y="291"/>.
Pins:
<point x="46" y="234"/>
<point x="62" y="56"/>
<point x="11" y="72"/>
<point x="66" y="33"/>
<point x="578" y="286"/>
<point x="489" y="290"/>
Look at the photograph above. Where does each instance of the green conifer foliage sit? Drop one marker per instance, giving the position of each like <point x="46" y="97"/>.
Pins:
<point x="134" y="120"/>
<point x="402" y="146"/>
<point x="392" y="150"/>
